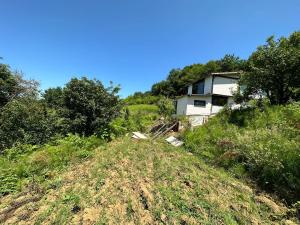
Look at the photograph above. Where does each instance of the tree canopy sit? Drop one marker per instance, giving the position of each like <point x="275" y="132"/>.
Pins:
<point x="274" y="70"/>
<point x="89" y="105"/>
<point x="8" y="84"/>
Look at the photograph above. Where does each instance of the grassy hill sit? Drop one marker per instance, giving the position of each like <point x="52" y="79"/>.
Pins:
<point x="262" y="143"/>
<point x="136" y="182"/>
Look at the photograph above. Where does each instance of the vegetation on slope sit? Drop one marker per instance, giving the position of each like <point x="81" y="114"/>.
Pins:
<point x="24" y="164"/>
<point x="129" y="182"/>
<point x="262" y="142"/>
<point x="134" y="118"/>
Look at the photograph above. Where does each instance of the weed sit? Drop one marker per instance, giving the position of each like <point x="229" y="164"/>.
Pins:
<point x="261" y="144"/>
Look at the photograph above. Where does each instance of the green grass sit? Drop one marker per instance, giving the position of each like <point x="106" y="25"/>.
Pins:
<point x="126" y="181"/>
<point x="143" y="107"/>
<point x="135" y="118"/>
<point x="26" y="163"/>
<point x="263" y="144"/>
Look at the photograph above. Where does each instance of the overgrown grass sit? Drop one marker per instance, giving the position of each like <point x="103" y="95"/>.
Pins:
<point x="261" y="142"/>
<point x="135" y="118"/>
<point x="144" y="182"/>
<point x="25" y="163"/>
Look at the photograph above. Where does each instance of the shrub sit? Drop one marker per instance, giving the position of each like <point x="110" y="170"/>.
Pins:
<point x="166" y="107"/>
<point x="26" y="121"/>
<point x="89" y="106"/>
<point x="264" y="144"/>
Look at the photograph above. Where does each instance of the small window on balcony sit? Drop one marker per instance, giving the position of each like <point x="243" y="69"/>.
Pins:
<point x="198" y="88"/>
<point x="219" y="100"/>
<point x="199" y="103"/>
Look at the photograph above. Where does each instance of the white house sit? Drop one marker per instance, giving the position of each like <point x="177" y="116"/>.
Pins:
<point x="208" y="96"/>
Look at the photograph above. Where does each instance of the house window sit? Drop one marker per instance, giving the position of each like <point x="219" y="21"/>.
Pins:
<point x="219" y="100"/>
<point x="198" y="88"/>
<point x="199" y="103"/>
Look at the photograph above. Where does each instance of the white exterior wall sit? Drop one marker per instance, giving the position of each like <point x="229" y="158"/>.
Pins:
<point x="190" y="90"/>
<point x="185" y="106"/>
<point x="216" y="109"/>
<point x="224" y="86"/>
<point x="198" y="110"/>
<point x="207" y="85"/>
<point x="181" y="105"/>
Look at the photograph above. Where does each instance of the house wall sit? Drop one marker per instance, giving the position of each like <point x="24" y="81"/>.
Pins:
<point x="181" y="105"/>
<point x="197" y="110"/>
<point x="224" y="86"/>
<point x="185" y="106"/>
<point x="216" y="109"/>
<point x="207" y="85"/>
<point x="190" y="89"/>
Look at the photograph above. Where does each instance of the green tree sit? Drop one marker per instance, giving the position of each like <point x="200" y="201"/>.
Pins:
<point x="8" y="84"/>
<point x="90" y="106"/>
<point x="54" y="97"/>
<point x="230" y="63"/>
<point x="13" y="86"/>
<point x="26" y="120"/>
<point x="166" y="107"/>
<point x="274" y="70"/>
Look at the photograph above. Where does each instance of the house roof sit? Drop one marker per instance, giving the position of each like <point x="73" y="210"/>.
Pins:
<point x="233" y="75"/>
<point x="236" y="73"/>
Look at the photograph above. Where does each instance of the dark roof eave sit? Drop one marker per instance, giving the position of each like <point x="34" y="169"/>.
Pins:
<point x="224" y="74"/>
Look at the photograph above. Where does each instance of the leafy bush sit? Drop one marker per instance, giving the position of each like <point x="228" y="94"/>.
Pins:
<point x="263" y="144"/>
<point x="26" y="121"/>
<point x="87" y="105"/>
<point x="166" y="107"/>
<point x="19" y="164"/>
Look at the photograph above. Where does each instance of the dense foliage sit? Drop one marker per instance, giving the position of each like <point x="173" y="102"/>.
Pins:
<point x="82" y="107"/>
<point x="89" y="107"/>
<point x="7" y="84"/>
<point x="166" y="107"/>
<point x="274" y="70"/>
<point x="262" y="142"/>
<point x="13" y="86"/>
<point x="26" y="121"/>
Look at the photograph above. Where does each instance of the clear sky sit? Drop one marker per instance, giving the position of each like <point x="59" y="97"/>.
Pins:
<point x="133" y="43"/>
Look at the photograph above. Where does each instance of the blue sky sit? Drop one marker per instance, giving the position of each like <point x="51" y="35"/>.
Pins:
<point x="134" y="43"/>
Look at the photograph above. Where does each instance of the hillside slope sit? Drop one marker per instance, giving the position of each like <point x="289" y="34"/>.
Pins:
<point x="130" y="182"/>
